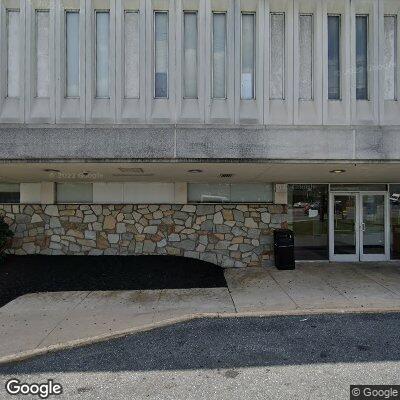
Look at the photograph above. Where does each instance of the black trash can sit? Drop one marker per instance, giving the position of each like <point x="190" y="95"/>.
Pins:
<point x="284" y="249"/>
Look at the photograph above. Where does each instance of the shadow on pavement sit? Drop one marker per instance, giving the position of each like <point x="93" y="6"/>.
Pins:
<point x="30" y="274"/>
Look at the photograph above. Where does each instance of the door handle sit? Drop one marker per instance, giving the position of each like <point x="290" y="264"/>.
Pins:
<point x="363" y="226"/>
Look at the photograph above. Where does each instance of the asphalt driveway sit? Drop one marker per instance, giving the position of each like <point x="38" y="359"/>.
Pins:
<point x="297" y="357"/>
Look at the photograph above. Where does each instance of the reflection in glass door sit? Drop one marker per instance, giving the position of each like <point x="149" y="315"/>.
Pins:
<point x="344" y="227"/>
<point x="373" y="227"/>
<point x="359" y="227"/>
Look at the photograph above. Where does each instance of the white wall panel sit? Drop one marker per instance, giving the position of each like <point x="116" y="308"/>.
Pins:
<point x="278" y="92"/>
<point x="250" y="110"/>
<point x="42" y="53"/>
<point x="13" y="26"/>
<point x="70" y="105"/>
<point x="30" y="193"/>
<point x="139" y="193"/>
<point x="389" y="56"/>
<point x="100" y="107"/>
<point x="160" y="110"/>
<point x="190" y="103"/>
<point x="40" y="61"/>
<point x="307" y="91"/>
<point x="306" y="56"/>
<point x="149" y="193"/>
<point x="131" y="61"/>
<point x="108" y="192"/>
<point x="12" y="57"/>
<point x="131" y="57"/>
<point x="220" y="110"/>
<point x="337" y="112"/>
<point x="365" y="111"/>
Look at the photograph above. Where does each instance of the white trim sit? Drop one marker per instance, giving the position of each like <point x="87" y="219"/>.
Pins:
<point x="358" y="256"/>
<point x="386" y="255"/>
<point x="343" y="257"/>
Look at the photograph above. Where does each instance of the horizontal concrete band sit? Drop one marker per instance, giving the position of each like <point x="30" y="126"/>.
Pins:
<point x="206" y="143"/>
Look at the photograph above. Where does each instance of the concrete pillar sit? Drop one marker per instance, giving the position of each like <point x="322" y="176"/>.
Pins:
<point x="280" y="193"/>
<point x="48" y="193"/>
<point x="181" y="193"/>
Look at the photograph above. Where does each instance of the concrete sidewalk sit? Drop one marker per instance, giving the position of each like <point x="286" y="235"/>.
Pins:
<point x="39" y="322"/>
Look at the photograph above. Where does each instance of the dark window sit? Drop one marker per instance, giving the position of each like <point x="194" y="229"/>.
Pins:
<point x="9" y="193"/>
<point x="362" y="57"/>
<point x="308" y="218"/>
<point x="230" y="192"/>
<point x="334" y="57"/>
<point x="395" y="221"/>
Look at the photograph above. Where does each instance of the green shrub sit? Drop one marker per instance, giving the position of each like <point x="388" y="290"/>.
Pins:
<point x="6" y="235"/>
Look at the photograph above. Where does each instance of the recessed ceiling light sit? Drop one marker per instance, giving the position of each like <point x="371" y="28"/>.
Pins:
<point x="195" y="171"/>
<point x="51" y="170"/>
<point x="338" y="171"/>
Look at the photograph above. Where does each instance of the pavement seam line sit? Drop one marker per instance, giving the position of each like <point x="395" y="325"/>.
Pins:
<point x="348" y="298"/>
<point x="64" y="318"/>
<point x="339" y="291"/>
<point x="156" y="309"/>
<point x="325" y="282"/>
<point x="360" y="272"/>
<point x="230" y="294"/>
<point x="283" y="290"/>
<point x="380" y="284"/>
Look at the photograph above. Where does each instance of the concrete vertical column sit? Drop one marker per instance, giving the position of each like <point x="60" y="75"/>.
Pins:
<point x="48" y="193"/>
<point x="181" y="193"/>
<point x="280" y="193"/>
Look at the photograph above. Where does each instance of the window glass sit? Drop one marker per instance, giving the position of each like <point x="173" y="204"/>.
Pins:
<point x="74" y="193"/>
<point x="333" y="57"/>
<point x="390" y="57"/>
<point x="306" y="57"/>
<point x="72" y="54"/>
<point x="190" y="55"/>
<point x="308" y="218"/>
<point x="102" y="54"/>
<point x="161" y="54"/>
<point x="219" y="56"/>
<point x="394" y="198"/>
<point x="230" y="193"/>
<point x="42" y="54"/>
<point x="251" y="192"/>
<point x="13" y="51"/>
<point x="359" y="188"/>
<point x="362" y="57"/>
<point x="131" y="42"/>
<point x="277" y="56"/>
<point x="9" y="193"/>
<point x="208" y="192"/>
<point x="248" y="56"/>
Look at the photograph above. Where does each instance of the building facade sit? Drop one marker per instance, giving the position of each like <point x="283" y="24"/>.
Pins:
<point x="197" y="127"/>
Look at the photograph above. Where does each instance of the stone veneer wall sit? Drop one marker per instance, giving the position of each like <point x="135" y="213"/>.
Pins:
<point x="227" y="235"/>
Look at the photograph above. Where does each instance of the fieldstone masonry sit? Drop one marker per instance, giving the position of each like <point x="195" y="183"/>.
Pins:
<point x="227" y="235"/>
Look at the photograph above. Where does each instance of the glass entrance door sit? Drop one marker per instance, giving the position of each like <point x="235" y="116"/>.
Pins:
<point x="344" y="232"/>
<point x="358" y="227"/>
<point x="373" y="229"/>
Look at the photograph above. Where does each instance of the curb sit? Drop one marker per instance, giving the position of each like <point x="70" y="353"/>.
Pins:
<point x="21" y="356"/>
